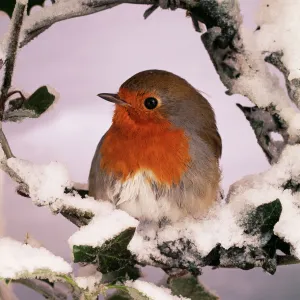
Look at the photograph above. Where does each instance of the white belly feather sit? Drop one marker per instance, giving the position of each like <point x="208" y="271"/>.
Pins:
<point x="138" y="199"/>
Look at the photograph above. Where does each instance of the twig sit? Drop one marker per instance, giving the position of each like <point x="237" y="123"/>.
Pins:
<point x="41" y="20"/>
<point x="43" y="288"/>
<point x="263" y="124"/>
<point x="11" y="52"/>
<point x="4" y="144"/>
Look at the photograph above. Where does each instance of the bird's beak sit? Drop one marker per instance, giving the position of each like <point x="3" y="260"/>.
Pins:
<point x="113" y="98"/>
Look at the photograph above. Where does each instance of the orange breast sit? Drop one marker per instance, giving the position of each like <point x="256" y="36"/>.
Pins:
<point x="159" y="148"/>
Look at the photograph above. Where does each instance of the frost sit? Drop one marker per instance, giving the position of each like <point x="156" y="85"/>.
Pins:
<point x="152" y="291"/>
<point x="103" y="228"/>
<point x="19" y="260"/>
<point x="89" y="283"/>
<point x="279" y="31"/>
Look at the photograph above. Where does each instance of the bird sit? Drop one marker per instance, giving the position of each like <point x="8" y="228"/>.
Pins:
<point x="160" y="158"/>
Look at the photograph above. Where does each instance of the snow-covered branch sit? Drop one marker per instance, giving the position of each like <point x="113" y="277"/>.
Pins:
<point x="37" y="22"/>
<point x="259" y="219"/>
<point x="265" y="125"/>
<point x="239" y="59"/>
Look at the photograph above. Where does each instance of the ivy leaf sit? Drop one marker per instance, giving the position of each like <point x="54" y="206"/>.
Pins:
<point x="8" y="5"/>
<point x="262" y="219"/>
<point x="188" y="286"/>
<point x="112" y="256"/>
<point x="38" y="103"/>
<point x="129" y="272"/>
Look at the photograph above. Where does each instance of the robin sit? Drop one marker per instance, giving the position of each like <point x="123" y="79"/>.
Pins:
<point x="159" y="160"/>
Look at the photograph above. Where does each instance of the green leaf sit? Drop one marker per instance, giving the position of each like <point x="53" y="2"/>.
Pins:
<point x="8" y="5"/>
<point x="128" y="272"/>
<point x="188" y="286"/>
<point x="119" y="296"/>
<point x="39" y="101"/>
<point x="32" y="107"/>
<point x="262" y="219"/>
<point x="126" y="293"/>
<point x="136" y="294"/>
<point x="112" y="256"/>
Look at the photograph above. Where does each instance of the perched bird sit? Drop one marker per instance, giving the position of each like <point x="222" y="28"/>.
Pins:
<point x="159" y="160"/>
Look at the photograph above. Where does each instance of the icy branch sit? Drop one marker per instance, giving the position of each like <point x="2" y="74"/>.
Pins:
<point x="244" y="233"/>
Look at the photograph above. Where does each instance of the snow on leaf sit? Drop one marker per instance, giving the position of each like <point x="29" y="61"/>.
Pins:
<point x="112" y="255"/>
<point x="89" y="283"/>
<point x="47" y="187"/>
<point x="262" y="219"/>
<point x="19" y="260"/>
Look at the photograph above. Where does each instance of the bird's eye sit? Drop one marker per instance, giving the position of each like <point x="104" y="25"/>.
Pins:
<point x="150" y="103"/>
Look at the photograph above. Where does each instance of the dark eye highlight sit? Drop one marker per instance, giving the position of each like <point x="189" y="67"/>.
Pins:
<point x="150" y="103"/>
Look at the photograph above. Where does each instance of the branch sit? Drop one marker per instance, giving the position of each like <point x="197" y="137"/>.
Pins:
<point x="241" y="67"/>
<point x="11" y="52"/>
<point x="4" y="144"/>
<point x="293" y="86"/>
<point x="263" y="124"/>
<point x="43" y="288"/>
<point x="39" y="21"/>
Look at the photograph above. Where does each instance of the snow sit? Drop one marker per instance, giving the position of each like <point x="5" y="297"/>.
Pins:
<point x="19" y="260"/>
<point x="152" y="291"/>
<point x="268" y="186"/>
<point x="255" y="72"/>
<point x="279" y="31"/>
<point x="89" y="283"/>
<point x="103" y="228"/>
<point x="47" y="184"/>
<point x="220" y="226"/>
<point x="222" y="223"/>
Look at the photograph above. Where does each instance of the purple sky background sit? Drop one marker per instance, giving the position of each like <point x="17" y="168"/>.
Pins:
<point x="85" y="56"/>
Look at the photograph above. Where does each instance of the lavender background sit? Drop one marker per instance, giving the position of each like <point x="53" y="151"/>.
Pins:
<point x="85" y="56"/>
